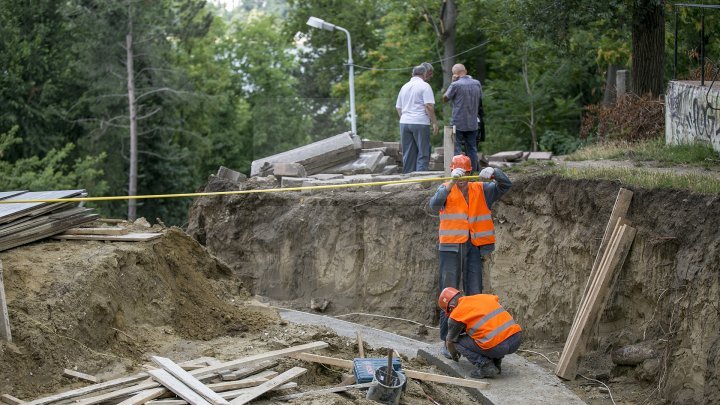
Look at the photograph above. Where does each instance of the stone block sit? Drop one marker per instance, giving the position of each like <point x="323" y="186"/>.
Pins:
<point x="540" y="156"/>
<point x="368" y="144"/>
<point x="326" y="176"/>
<point x="390" y="169"/>
<point x="314" y="157"/>
<point x="283" y="169"/>
<point x="367" y="162"/>
<point x="286" y="182"/>
<point x="506" y="156"/>
<point x="229" y="174"/>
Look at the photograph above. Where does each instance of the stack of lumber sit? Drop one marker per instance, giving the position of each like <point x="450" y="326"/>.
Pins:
<point x="207" y="380"/>
<point x="22" y="223"/>
<point x="201" y="381"/>
<point x="618" y="238"/>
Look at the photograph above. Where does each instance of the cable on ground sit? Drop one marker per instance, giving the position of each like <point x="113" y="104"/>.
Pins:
<point x="587" y="378"/>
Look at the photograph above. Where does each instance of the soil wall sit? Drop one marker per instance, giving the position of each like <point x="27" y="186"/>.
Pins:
<point x="376" y="252"/>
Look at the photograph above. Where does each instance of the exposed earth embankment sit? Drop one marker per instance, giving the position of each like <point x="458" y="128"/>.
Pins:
<point x="374" y="251"/>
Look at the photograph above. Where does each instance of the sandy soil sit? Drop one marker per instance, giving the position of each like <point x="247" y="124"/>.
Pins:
<point x="104" y="308"/>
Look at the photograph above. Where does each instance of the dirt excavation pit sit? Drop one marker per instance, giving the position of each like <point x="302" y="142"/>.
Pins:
<point x="375" y="252"/>
<point x="104" y="308"/>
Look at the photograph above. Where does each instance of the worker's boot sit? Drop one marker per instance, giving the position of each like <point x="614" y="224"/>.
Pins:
<point x="446" y="353"/>
<point x="498" y="364"/>
<point x="487" y="370"/>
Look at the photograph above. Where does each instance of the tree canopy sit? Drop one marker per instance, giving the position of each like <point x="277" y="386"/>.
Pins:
<point x="216" y="86"/>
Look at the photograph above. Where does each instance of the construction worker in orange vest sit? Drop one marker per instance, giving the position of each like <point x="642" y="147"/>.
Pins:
<point x="479" y="329"/>
<point x="467" y="232"/>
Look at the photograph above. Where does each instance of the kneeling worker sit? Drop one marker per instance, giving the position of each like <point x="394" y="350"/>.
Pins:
<point x="479" y="329"/>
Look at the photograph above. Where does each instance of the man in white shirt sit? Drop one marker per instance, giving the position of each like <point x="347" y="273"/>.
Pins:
<point x="416" y="107"/>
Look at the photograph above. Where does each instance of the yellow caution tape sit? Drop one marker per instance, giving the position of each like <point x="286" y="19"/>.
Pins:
<point x="254" y="191"/>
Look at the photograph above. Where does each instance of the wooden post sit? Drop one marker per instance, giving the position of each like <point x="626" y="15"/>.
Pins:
<point x="4" y="319"/>
<point x="448" y="148"/>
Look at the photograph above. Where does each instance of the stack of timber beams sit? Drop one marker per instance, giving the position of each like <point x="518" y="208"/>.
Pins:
<point x="618" y="238"/>
<point x="22" y="223"/>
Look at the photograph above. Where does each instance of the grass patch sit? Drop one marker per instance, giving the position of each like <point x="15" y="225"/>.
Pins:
<point x="649" y="150"/>
<point x="645" y="178"/>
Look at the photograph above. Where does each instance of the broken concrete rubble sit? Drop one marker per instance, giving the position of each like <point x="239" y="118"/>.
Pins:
<point x="316" y="156"/>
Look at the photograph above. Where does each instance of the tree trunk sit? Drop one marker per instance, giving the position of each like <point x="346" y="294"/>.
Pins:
<point x="448" y="18"/>
<point x="648" y="47"/>
<point x="531" y="104"/>
<point x="132" y="184"/>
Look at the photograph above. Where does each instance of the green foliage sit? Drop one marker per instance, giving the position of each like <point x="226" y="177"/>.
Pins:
<point x="559" y="143"/>
<point x="648" y="179"/>
<point x="654" y="150"/>
<point x="55" y="171"/>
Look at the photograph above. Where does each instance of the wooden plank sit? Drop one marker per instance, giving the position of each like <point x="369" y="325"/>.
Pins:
<point x="283" y="378"/>
<point x="10" y="400"/>
<point x="5" y="333"/>
<point x="594" y="274"/>
<point x="596" y="281"/>
<point x="130" y="237"/>
<point x="9" y="212"/>
<point x="324" y="391"/>
<point x="567" y="366"/>
<point x="417" y="375"/>
<point x="620" y="209"/>
<point x="204" y="373"/>
<point x="190" y="381"/>
<point x="227" y="394"/>
<point x="89" y="389"/>
<point x="97" y="231"/>
<point x="176" y="386"/>
<point x="145" y="396"/>
<point x="80" y="376"/>
<point x="361" y="348"/>
<point x="251" y="370"/>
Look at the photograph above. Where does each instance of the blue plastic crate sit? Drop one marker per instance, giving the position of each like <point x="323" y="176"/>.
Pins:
<point x="364" y="369"/>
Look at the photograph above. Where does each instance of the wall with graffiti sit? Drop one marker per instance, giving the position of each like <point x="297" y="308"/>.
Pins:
<point x="692" y="114"/>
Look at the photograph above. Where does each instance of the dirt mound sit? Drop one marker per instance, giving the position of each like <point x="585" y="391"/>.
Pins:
<point x="90" y="304"/>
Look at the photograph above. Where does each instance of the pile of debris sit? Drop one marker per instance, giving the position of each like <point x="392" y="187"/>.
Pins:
<point x="206" y="380"/>
<point x="22" y="223"/>
<point x="343" y="154"/>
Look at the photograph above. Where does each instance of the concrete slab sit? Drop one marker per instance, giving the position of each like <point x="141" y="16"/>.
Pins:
<point x="521" y="381"/>
<point x="506" y="156"/>
<point x="316" y="156"/>
<point x="283" y="169"/>
<point x="286" y="182"/>
<point x="540" y="155"/>
<point x="327" y="176"/>
<point x="367" y="162"/>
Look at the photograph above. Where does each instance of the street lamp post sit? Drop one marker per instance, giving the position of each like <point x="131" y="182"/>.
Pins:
<point x="324" y="25"/>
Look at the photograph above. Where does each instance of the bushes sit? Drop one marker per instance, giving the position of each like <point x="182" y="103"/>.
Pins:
<point x="632" y="118"/>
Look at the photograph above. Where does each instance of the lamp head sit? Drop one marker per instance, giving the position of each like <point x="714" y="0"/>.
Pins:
<point x="319" y="23"/>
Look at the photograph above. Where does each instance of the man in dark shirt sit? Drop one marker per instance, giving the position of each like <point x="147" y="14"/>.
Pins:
<point x="465" y="94"/>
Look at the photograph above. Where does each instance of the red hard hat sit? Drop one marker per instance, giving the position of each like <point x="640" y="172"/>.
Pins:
<point x="462" y="162"/>
<point x="446" y="296"/>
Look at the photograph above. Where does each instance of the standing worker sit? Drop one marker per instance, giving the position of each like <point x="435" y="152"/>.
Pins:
<point x="466" y="231"/>
<point x="416" y="107"/>
<point x="479" y="329"/>
<point x="465" y="94"/>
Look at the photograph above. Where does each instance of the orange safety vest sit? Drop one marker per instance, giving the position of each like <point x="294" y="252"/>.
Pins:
<point x="458" y="219"/>
<point x="485" y="320"/>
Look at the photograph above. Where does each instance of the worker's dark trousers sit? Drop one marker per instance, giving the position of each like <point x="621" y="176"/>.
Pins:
<point x="459" y="260"/>
<point x="479" y="357"/>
